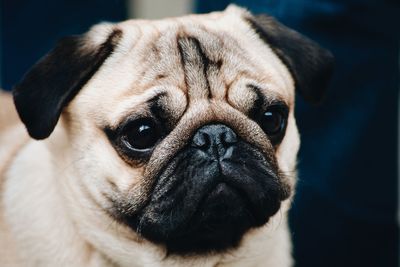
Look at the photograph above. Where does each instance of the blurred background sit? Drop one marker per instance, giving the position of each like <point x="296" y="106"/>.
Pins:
<point x="345" y="212"/>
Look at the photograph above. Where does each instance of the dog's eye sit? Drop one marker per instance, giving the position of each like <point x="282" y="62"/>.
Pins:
<point x="273" y="122"/>
<point x="141" y="134"/>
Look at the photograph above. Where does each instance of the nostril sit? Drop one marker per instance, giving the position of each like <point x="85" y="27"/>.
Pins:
<point x="229" y="137"/>
<point x="201" y="140"/>
<point x="214" y="138"/>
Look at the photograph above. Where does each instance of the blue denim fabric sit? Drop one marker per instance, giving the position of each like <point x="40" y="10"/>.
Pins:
<point x="344" y="212"/>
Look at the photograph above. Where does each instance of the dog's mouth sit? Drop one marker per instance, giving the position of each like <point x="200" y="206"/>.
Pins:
<point x="201" y="205"/>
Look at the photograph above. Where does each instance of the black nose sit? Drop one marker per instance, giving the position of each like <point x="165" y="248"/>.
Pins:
<point x="215" y="139"/>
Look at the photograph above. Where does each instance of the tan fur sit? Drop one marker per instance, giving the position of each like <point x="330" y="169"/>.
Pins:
<point x="56" y="192"/>
<point x="8" y="114"/>
<point x="12" y="138"/>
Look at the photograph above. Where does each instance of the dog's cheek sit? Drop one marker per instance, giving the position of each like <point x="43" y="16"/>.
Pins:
<point x="102" y="173"/>
<point x="286" y="153"/>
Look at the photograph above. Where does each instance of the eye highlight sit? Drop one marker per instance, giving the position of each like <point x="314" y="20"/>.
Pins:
<point x="141" y="134"/>
<point x="273" y="121"/>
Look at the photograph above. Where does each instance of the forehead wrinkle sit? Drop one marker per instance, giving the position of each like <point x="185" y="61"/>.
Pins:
<point x="170" y="100"/>
<point x="194" y="64"/>
<point x="270" y="97"/>
<point x="203" y="58"/>
<point x="239" y="96"/>
<point x="237" y="64"/>
<point x="129" y="105"/>
<point x="214" y="49"/>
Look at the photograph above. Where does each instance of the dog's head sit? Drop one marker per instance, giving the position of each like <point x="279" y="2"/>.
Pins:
<point x="180" y="130"/>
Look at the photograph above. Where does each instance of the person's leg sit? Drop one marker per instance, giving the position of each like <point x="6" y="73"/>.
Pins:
<point x="345" y="208"/>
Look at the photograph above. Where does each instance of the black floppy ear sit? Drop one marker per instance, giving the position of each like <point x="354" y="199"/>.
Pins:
<point x="310" y="65"/>
<point x="55" y="80"/>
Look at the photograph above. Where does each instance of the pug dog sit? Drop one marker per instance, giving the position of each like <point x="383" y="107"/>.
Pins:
<point x="158" y="143"/>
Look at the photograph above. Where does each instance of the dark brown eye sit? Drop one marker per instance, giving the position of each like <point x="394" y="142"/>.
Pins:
<point x="141" y="134"/>
<point x="273" y="122"/>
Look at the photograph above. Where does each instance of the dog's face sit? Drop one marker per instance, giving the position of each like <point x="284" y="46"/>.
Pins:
<point x="179" y="131"/>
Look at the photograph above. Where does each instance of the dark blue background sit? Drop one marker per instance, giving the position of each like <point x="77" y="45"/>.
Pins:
<point x="30" y="28"/>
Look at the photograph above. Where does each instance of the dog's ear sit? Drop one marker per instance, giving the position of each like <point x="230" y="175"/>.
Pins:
<point x="310" y="65"/>
<point x="55" y="80"/>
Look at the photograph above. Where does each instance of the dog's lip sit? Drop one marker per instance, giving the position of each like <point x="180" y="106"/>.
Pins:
<point x="217" y="190"/>
<point x="222" y="186"/>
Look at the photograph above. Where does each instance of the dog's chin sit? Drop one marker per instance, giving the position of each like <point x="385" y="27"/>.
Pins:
<point x="200" y="205"/>
<point x="218" y="224"/>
